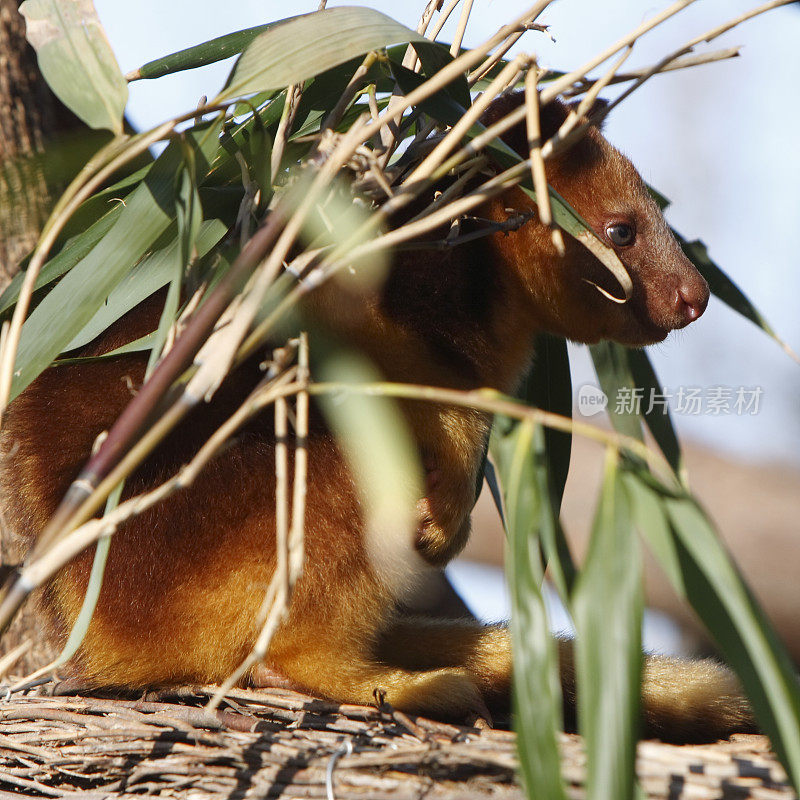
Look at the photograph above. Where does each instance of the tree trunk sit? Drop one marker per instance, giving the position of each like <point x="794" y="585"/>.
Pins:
<point x="30" y="116"/>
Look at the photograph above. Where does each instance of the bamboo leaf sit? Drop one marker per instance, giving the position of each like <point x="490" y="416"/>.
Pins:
<point x="433" y="56"/>
<point x="650" y="518"/>
<point x="76" y="60"/>
<point x="656" y="414"/>
<point x="740" y="628"/>
<point x="280" y="56"/>
<point x="521" y="462"/>
<point x="148" y="276"/>
<point x="726" y="290"/>
<point x="616" y="381"/>
<point x="142" y="345"/>
<point x="389" y="486"/>
<point x="260" y="151"/>
<point x="607" y="609"/>
<point x="75" y="249"/>
<point x="634" y="395"/>
<point x="72" y="303"/>
<point x="200" y="55"/>
<point x="189" y="218"/>
<point x="549" y="386"/>
<point x="95" y="584"/>
<point x="700" y="569"/>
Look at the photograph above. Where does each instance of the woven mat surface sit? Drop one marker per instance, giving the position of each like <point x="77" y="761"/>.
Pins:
<point x="277" y="743"/>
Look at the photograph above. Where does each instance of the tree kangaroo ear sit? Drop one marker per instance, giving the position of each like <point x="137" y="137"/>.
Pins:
<point x="551" y="117"/>
<point x="594" y="114"/>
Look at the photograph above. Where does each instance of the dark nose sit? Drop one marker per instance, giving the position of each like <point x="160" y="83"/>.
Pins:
<point x="691" y="299"/>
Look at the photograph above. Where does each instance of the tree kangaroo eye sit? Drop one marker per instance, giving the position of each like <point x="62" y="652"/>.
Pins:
<point x="620" y="233"/>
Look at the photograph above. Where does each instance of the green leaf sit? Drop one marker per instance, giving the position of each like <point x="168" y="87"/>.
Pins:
<point x="302" y="47"/>
<point x="740" y="628"/>
<point x="607" y="609"/>
<point x="84" y="618"/>
<point x="200" y="55"/>
<point x="537" y="693"/>
<point x="697" y="563"/>
<point x="142" y="345"/>
<point x="549" y="386"/>
<point x="657" y="418"/>
<point x="650" y="518"/>
<point x="725" y="289"/>
<point x="148" y="276"/>
<point x="634" y="395"/>
<point x="389" y="485"/>
<point x="433" y="56"/>
<point x="75" y="249"/>
<point x="260" y="151"/>
<point x="75" y="299"/>
<point x="76" y="60"/>
<point x="617" y="382"/>
<point x="189" y="218"/>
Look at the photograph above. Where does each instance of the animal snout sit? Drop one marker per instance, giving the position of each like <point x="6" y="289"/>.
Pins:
<point x="691" y="299"/>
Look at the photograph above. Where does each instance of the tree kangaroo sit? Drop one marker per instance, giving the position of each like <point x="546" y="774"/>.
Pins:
<point x="185" y="581"/>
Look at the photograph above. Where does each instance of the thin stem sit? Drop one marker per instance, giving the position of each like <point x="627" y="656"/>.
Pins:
<point x="494" y="402"/>
<point x="480" y="71"/>
<point x="284" y="125"/>
<point x="300" y="484"/>
<point x="538" y="175"/>
<point x="680" y="63"/>
<point x="462" y="27"/>
<point x="560" y="84"/>
<point x="456" y="133"/>
<point x="282" y="493"/>
<point x="337" y="112"/>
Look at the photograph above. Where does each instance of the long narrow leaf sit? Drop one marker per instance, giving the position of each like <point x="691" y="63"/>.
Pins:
<point x="76" y="60"/>
<point x="283" y="56"/>
<point x="700" y="569"/>
<point x="76" y="249"/>
<point x="616" y="380"/>
<point x="723" y="287"/>
<point x="607" y="609"/>
<point x="740" y="628"/>
<point x="655" y="409"/>
<point x="549" y="387"/>
<point x="200" y="55"/>
<point x="76" y="298"/>
<point x="147" y="277"/>
<point x="518" y="451"/>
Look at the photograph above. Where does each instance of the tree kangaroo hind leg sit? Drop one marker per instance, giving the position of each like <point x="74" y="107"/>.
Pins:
<point x="682" y="700"/>
<point x="346" y="671"/>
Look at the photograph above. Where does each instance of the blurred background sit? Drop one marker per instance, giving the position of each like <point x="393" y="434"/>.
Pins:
<point x="721" y="142"/>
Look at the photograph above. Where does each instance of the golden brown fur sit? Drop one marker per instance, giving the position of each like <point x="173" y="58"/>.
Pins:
<point x="185" y="581"/>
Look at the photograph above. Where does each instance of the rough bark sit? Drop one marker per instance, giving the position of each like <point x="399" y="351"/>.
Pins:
<point x="30" y="116"/>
